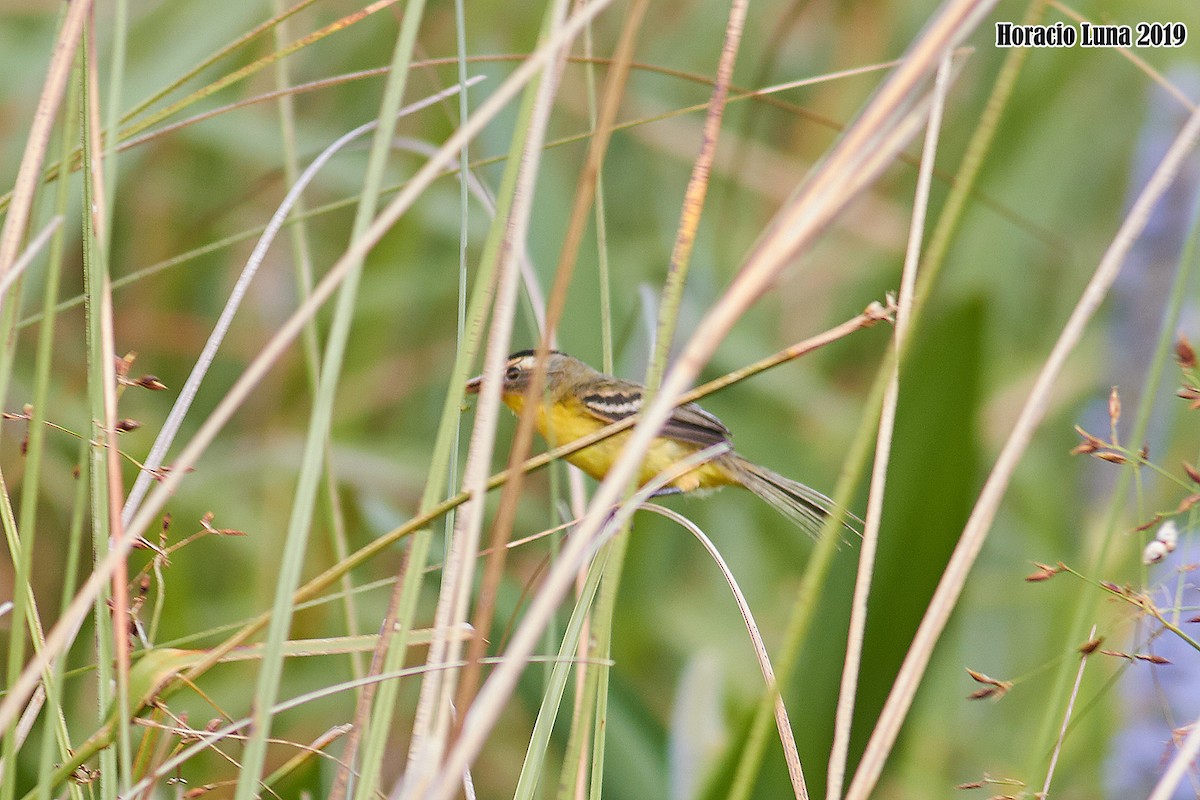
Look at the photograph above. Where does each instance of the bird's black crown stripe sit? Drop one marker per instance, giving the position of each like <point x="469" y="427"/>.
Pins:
<point x="528" y="353"/>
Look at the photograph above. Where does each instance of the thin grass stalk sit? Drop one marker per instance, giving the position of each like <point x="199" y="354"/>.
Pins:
<point x="1066" y="720"/>
<point x="179" y="410"/>
<point x="464" y="215"/>
<point x="587" y="682"/>
<point x="978" y="147"/>
<point x="21" y="543"/>
<point x="601" y="631"/>
<point x="302" y="261"/>
<point x="116" y="78"/>
<point x="1086" y="602"/>
<point x="1185" y="756"/>
<point x="438" y="689"/>
<point x="55" y="731"/>
<point x="70" y="576"/>
<point x="533" y="764"/>
<point x="975" y="533"/>
<point x="588" y="710"/>
<point x="106" y="490"/>
<point x="253" y="68"/>
<point x="34" y="623"/>
<point x="819" y="563"/>
<point x="786" y="739"/>
<point x="815" y="574"/>
<point x="229" y="241"/>
<point x="680" y="259"/>
<point x="205" y="740"/>
<point x="37" y="142"/>
<point x="405" y="596"/>
<point x="402" y="607"/>
<point x="311" y="466"/>
<point x="600" y="220"/>
<point x="693" y="198"/>
<point x="135" y="128"/>
<point x="513" y="243"/>
<point x="464" y="218"/>
<point x="568" y="256"/>
<point x="808" y="592"/>
<point x="244" y="39"/>
<point x="844" y="715"/>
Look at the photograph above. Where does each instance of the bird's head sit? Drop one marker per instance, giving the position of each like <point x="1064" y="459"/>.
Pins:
<point x="562" y="371"/>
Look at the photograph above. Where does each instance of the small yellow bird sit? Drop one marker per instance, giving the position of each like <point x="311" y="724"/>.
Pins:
<point x="578" y="401"/>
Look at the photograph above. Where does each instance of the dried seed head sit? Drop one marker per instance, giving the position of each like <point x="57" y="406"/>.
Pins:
<point x="1112" y="458"/>
<point x="150" y="382"/>
<point x="1184" y="353"/>
<point x="123" y="363"/>
<point x="127" y="425"/>
<point x="1186" y="503"/>
<point x="993" y="688"/>
<point x="1145" y="526"/>
<point x="1089" y="647"/>
<point x="1045" y="572"/>
<point x="1093" y="439"/>
<point x="1151" y="658"/>
<point x="1114" y="406"/>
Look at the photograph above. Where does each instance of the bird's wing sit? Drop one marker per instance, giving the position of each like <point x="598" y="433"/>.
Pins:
<point x="616" y="400"/>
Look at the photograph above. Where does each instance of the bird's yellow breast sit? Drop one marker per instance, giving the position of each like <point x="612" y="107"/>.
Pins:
<point x="566" y="420"/>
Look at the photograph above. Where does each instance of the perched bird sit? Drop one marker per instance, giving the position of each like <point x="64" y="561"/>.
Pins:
<point x="578" y="400"/>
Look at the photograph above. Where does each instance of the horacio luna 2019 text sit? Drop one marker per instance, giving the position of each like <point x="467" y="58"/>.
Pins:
<point x="1061" y="34"/>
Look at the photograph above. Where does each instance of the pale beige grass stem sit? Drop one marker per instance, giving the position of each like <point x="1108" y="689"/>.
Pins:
<point x="975" y="532"/>
<point x="844" y="714"/>
<point x="434" y="714"/>
<point x="63" y="632"/>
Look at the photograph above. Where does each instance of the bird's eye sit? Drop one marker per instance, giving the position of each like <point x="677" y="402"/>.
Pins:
<point x="512" y="373"/>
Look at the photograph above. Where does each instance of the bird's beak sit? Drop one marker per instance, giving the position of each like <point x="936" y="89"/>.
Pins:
<point x="472" y="386"/>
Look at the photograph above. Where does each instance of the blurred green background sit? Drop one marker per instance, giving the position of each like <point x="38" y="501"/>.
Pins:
<point x="1053" y="188"/>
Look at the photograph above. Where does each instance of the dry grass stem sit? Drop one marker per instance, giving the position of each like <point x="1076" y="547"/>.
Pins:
<point x="791" y="753"/>
<point x="975" y="532"/>
<point x="63" y="631"/>
<point x="883" y="445"/>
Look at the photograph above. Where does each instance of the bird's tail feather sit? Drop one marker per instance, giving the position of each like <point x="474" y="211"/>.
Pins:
<point x="802" y="504"/>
